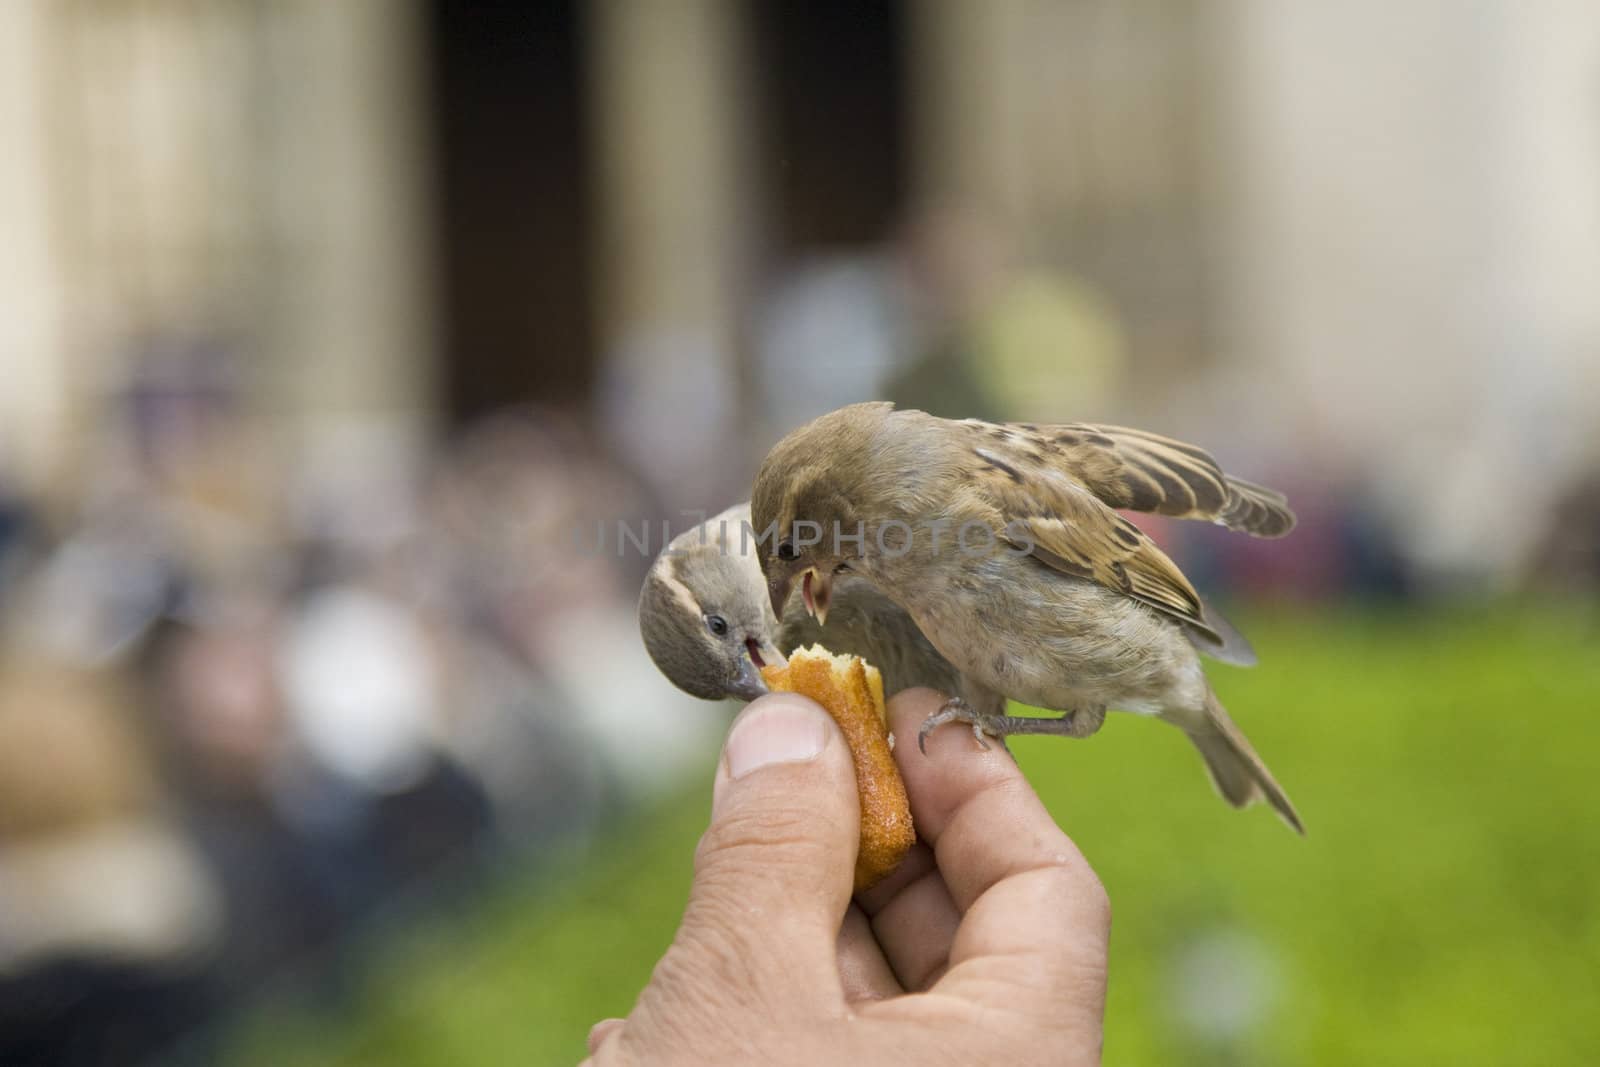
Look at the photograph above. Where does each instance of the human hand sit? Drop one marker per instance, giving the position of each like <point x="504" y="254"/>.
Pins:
<point x="988" y="944"/>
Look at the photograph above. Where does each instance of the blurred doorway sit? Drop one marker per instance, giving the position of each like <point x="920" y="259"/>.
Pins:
<point x="513" y="177"/>
<point x="832" y="78"/>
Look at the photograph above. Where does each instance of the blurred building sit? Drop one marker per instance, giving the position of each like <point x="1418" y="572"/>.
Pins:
<point x="325" y="326"/>
<point x="247" y="180"/>
<point x="385" y="218"/>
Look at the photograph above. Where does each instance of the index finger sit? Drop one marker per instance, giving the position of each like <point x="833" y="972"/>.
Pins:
<point x="1026" y="894"/>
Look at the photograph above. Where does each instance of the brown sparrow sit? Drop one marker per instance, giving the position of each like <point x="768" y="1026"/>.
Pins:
<point x="1003" y="545"/>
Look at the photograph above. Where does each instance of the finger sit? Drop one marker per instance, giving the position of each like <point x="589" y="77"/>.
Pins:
<point x="1027" y="896"/>
<point x="863" y="971"/>
<point x="773" y="872"/>
<point x="977" y="811"/>
<point x="913" y="919"/>
<point x="600" y="1031"/>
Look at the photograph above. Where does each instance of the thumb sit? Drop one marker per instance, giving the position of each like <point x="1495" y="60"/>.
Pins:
<point x="773" y="872"/>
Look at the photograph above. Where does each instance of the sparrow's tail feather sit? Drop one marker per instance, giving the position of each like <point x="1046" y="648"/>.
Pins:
<point x="1236" y="770"/>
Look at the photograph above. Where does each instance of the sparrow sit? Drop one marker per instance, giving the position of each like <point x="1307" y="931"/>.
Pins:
<point x="708" y="623"/>
<point x="1003" y="544"/>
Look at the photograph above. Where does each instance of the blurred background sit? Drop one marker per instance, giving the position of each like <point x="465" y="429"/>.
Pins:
<point x="336" y="339"/>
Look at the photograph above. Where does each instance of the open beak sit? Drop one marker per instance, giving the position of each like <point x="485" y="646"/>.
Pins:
<point x="748" y="684"/>
<point x="816" y="589"/>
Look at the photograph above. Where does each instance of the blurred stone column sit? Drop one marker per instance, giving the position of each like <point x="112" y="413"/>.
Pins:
<point x="351" y="325"/>
<point x="33" y="383"/>
<point x="1076" y="124"/>
<point x="968" y="125"/>
<point x="1544" y="222"/>
<point x="667" y="96"/>
<point x="1065" y="136"/>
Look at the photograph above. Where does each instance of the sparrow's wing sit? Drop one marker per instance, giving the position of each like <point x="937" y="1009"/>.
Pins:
<point x="1143" y="471"/>
<point x="1043" y="509"/>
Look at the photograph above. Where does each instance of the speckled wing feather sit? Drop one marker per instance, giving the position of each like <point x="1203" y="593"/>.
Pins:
<point x="1067" y="527"/>
<point x="1049" y="496"/>
<point x="1142" y="471"/>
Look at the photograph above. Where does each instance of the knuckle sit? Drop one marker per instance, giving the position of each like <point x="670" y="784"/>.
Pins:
<point x="747" y="866"/>
<point x="760" y="837"/>
<point x="1075" y="880"/>
<point x="1096" y="901"/>
<point x="738" y="880"/>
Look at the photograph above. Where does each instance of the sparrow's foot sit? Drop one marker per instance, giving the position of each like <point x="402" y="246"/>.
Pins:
<point x="1084" y="722"/>
<point x="957" y="710"/>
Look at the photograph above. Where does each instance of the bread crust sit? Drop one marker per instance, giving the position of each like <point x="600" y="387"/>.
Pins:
<point x="851" y="691"/>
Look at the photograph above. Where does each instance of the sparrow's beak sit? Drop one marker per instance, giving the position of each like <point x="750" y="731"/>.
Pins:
<point x="816" y="590"/>
<point x="748" y="684"/>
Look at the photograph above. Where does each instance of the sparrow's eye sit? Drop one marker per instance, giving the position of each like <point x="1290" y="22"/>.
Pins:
<point x="717" y="625"/>
<point x="787" y="552"/>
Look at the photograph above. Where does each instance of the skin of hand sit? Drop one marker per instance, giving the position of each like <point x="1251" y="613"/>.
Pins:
<point x="1003" y="544"/>
<point x="706" y="619"/>
<point x="981" y="948"/>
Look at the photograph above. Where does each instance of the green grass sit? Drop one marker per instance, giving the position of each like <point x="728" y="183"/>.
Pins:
<point x="1442" y="908"/>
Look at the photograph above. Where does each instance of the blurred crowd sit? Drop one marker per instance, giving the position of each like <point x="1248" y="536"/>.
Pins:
<point x="247" y="712"/>
<point x="274" y="671"/>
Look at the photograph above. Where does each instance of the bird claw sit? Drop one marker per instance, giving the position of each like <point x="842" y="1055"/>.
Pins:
<point x="955" y="710"/>
<point x="1083" y="722"/>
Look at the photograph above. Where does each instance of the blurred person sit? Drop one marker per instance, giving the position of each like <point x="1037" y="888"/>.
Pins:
<point x="96" y="593"/>
<point x="542" y="783"/>
<point x="1002" y="340"/>
<point x="667" y="401"/>
<point x="109" y="919"/>
<point x="1568" y="555"/>
<point x="366" y="772"/>
<point x="831" y="331"/>
<point x="1338" y="550"/>
<point x="945" y="319"/>
<point x="184" y="448"/>
<point x="217" y="712"/>
<point x="359" y="685"/>
<point x="172" y="498"/>
<point x="18" y="534"/>
<point x="1345" y="545"/>
<point x="525" y="520"/>
<point x="516" y="483"/>
<point x="316" y="798"/>
<point x="883" y="321"/>
<point x="983" y="947"/>
<point x="1048" y="342"/>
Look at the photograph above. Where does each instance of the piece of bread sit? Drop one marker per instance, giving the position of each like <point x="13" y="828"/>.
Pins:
<point x="851" y="690"/>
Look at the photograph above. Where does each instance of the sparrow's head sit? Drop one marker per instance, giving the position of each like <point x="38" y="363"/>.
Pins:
<point x="811" y="510"/>
<point x="703" y="612"/>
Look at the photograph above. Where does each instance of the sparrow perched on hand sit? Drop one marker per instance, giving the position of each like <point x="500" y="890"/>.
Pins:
<point x="708" y="623"/>
<point x="1003" y="544"/>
